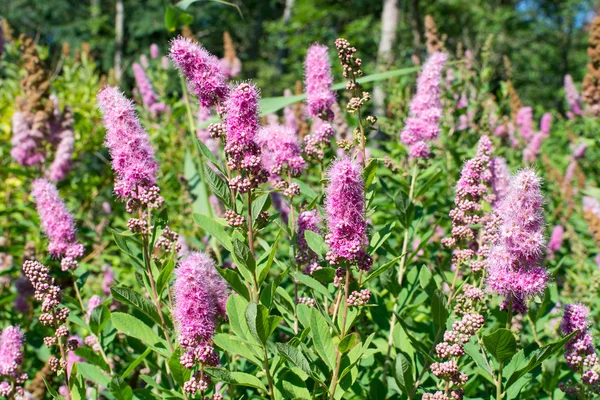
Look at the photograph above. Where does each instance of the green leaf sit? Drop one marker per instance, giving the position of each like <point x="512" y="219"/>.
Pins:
<point x="438" y="309"/>
<point x="260" y="323"/>
<point x="370" y="172"/>
<point x="405" y="209"/>
<point x="293" y="386"/>
<point x="243" y="256"/>
<point x="315" y="242"/>
<point x="312" y="283"/>
<point x="474" y="351"/>
<point x="135" y="363"/>
<point x="184" y="4"/>
<point x="178" y="372"/>
<point x="260" y="204"/>
<point x="404" y="373"/>
<point x="237" y="378"/>
<point x="424" y="277"/>
<point x="137" y="300"/>
<point x="347" y="343"/>
<point x="93" y="373"/>
<point x="501" y="344"/>
<point x="236" y="306"/>
<point x="325" y="275"/>
<point x="131" y="326"/>
<point x="218" y="186"/>
<point x="295" y="356"/>
<point x="165" y="276"/>
<point x="375" y="273"/>
<point x="91" y="356"/>
<point x="214" y="229"/>
<point x="205" y="151"/>
<point x="322" y="341"/>
<point x="120" y="389"/>
<point x="234" y="345"/>
<point x="235" y="281"/>
<point x="99" y="318"/>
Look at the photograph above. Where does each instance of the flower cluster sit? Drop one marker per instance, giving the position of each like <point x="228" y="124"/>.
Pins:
<point x="318" y="81"/>
<point x="62" y="133"/>
<point x="149" y="97"/>
<point x="55" y="316"/>
<point x="524" y="121"/>
<point x="200" y="297"/>
<point x="572" y="96"/>
<point x="514" y="265"/>
<point x="422" y="124"/>
<point x="242" y="126"/>
<point x="11" y="359"/>
<point x="345" y="206"/>
<point x="471" y="190"/>
<point x="500" y="179"/>
<point x="57" y="223"/>
<point x="132" y="154"/>
<point x="305" y="256"/>
<point x="280" y="150"/>
<point x="351" y="65"/>
<point x="201" y="69"/>
<point x="318" y="139"/>
<point x="359" y="298"/>
<point x="579" y="350"/>
<point x="451" y="349"/>
<point x="591" y="213"/>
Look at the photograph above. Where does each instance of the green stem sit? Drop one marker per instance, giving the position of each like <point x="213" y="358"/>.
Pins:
<point x="334" y="378"/>
<point x="268" y="372"/>
<point x="499" y="382"/>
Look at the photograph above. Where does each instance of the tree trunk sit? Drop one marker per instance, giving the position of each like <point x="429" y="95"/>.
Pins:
<point x="385" y="54"/>
<point x="119" y="40"/>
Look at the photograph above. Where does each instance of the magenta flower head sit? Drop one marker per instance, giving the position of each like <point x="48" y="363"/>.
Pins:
<point x="308" y="221"/>
<point x="132" y="154"/>
<point x="318" y="81"/>
<point x="579" y="151"/>
<point x="57" y="223"/>
<point x="346" y="220"/>
<point x="425" y="113"/>
<point x="514" y="264"/>
<point x="63" y="158"/>
<point x="27" y="149"/>
<point x="200" y="295"/>
<point x="524" y="122"/>
<point x="500" y="179"/>
<point x="556" y="238"/>
<point x="11" y="355"/>
<point x="576" y="318"/>
<point x="154" y="52"/>
<point x="532" y="150"/>
<point x="280" y="150"/>
<point x="201" y="69"/>
<point x="572" y="95"/>
<point x="546" y="124"/>
<point x="149" y="97"/>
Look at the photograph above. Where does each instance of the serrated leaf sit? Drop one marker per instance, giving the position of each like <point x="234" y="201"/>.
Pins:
<point x="501" y="344"/>
<point x="322" y="340"/>
<point x="370" y="172"/>
<point x="214" y="229"/>
<point x="295" y="356"/>
<point x="234" y="345"/>
<point x="315" y="241"/>
<point x="243" y="256"/>
<point x="137" y="300"/>
<point x="347" y="343"/>
<point x="438" y="309"/>
<point x="165" y="276"/>
<point x="233" y="278"/>
<point x="260" y="323"/>
<point x="100" y="316"/>
<point x="92" y="357"/>
<point x="131" y="326"/>
<point x="218" y="186"/>
<point x="120" y="389"/>
<point x="312" y="283"/>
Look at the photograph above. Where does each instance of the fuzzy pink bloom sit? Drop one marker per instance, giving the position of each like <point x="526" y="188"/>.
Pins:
<point x="307" y="221"/>
<point x="463" y="102"/>
<point x="532" y="150"/>
<point x="149" y="97"/>
<point x="514" y="265"/>
<point x="572" y="95"/>
<point x="26" y="143"/>
<point x="346" y="220"/>
<point x="592" y="205"/>
<point x="318" y="81"/>
<point x="546" y="124"/>
<point x="144" y="61"/>
<point x="422" y="125"/>
<point x="11" y="355"/>
<point x="201" y="69"/>
<point x="524" y="121"/>
<point x="556" y="239"/>
<point x="500" y="178"/>
<point x="200" y="295"/>
<point x="280" y="150"/>
<point x="63" y="158"/>
<point x="576" y="318"/>
<point x="579" y="151"/>
<point x="154" y="52"/>
<point x="570" y="172"/>
<point x="57" y="222"/>
<point x="109" y="279"/>
<point x="132" y="154"/>
<point x="92" y="303"/>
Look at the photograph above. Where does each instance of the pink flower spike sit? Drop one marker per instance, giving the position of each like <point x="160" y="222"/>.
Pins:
<point x="149" y="97"/>
<point x="546" y="123"/>
<point x="201" y="69"/>
<point x="572" y="96"/>
<point x="280" y="150"/>
<point x="318" y="81"/>
<point x="57" y="222"/>
<point x="11" y="354"/>
<point x="556" y="238"/>
<point x="129" y="145"/>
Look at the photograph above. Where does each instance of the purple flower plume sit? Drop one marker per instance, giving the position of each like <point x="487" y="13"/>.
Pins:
<point x="524" y="121"/>
<point x="201" y="69"/>
<point x="576" y="318"/>
<point x="514" y="264"/>
<point x="546" y="124"/>
<point x="154" y="51"/>
<point x="556" y="238"/>
<point x="318" y="81"/>
<point x="200" y="295"/>
<point x="346" y="220"/>
<point x="149" y="97"/>
<point x="572" y="95"/>
<point x="57" y="223"/>
<point x="533" y="148"/>
<point x="308" y="221"/>
<point x="11" y="355"/>
<point x="132" y="154"/>
<point x="26" y="142"/>
<point x="280" y="150"/>
<point x="63" y="159"/>
<point x="422" y="125"/>
<point x="500" y="179"/>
